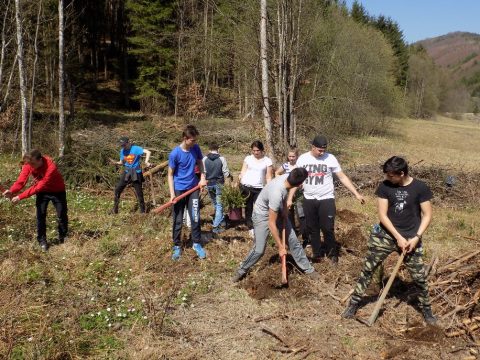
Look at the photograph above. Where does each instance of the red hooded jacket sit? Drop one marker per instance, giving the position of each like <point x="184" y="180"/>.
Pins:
<point x="46" y="178"/>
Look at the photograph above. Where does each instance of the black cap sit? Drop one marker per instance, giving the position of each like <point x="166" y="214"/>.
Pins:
<point x="123" y="140"/>
<point x="320" y="141"/>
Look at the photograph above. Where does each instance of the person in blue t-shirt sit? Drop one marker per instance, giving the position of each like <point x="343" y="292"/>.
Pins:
<point x="181" y="178"/>
<point x="130" y="157"/>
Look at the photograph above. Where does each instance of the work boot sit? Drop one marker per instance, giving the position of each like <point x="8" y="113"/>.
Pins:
<point x="238" y="276"/>
<point x="43" y="245"/>
<point x="334" y="259"/>
<point x="314" y="275"/>
<point x="351" y="310"/>
<point x="218" y="230"/>
<point x="428" y="316"/>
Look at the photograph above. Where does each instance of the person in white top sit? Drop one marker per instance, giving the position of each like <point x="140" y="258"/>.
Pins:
<point x="256" y="172"/>
<point x="319" y="197"/>
<point x="287" y="167"/>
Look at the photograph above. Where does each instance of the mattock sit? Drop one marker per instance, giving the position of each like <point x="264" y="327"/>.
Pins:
<point x="380" y="301"/>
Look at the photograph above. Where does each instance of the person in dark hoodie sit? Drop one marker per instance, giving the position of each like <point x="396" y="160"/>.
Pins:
<point x="216" y="170"/>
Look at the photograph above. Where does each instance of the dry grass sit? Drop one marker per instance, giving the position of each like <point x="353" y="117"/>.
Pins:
<point x="56" y="305"/>
<point x="445" y="141"/>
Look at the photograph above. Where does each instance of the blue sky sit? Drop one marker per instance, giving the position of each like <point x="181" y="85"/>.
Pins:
<point x="421" y="19"/>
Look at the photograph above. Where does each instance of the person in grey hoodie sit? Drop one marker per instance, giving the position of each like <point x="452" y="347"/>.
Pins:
<point x="216" y="170"/>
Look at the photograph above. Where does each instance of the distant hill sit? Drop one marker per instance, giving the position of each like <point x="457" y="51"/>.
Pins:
<point x="459" y="52"/>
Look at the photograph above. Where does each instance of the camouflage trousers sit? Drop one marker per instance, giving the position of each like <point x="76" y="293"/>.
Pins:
<point x="380" y="245"/>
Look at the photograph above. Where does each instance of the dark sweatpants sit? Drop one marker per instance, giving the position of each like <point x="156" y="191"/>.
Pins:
<point x="251" y="194"/>
<point x="193" y="204"/>
<point x="320" y="216"/>
<point x="59" y="201"/>
<point x="137" y="185"/>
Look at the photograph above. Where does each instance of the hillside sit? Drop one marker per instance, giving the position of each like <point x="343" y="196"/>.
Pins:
<point x="459" y="52"/>
<point x="112" y="292"/>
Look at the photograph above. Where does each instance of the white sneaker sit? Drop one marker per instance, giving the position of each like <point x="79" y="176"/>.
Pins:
<point x="252" y="233"/>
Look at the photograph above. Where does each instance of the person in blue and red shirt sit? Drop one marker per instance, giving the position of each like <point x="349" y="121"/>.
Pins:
<point x="181" y="178"/>
<point x="130" y="157"/>
<point x="48" y="185"/>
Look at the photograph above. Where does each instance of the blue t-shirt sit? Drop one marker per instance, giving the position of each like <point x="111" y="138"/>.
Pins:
<point x="183" y="164"/>
<point x="131" y="158"/>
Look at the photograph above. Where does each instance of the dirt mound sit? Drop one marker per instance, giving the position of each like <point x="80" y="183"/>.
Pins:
<point x="266" y="282"/>
<point x="353" y="238"/>
<point x="349" y="216"/>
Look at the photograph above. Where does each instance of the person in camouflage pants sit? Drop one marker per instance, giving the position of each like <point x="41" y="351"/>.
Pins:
<point x="405" y="212"/>
<point x="380" y="245"/>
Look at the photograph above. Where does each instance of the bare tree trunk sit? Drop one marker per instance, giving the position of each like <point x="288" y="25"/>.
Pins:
<point x="34" y="73"/>
<point x="179" y="56"/>
<point x="207" y="52"/>
<point x="9" y="85"/>
<point x="22" y="78"/>
<point x="4" y="44"/>
<point x="61" y="82"/>
<point x="264" y="65"/>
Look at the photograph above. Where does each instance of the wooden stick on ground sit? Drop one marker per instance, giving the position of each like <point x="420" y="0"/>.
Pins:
<point x="380" y="301"/>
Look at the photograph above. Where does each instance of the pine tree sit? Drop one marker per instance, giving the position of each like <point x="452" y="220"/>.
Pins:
<point x="359" y="14"/>
<point x="391" y="30"/>
<point x="153" y="45"/>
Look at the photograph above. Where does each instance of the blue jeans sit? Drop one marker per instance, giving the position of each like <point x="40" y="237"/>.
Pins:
<point x="215" y="192"/>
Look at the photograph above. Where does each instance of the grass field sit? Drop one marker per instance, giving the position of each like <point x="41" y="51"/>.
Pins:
<point x="112" y="292"/>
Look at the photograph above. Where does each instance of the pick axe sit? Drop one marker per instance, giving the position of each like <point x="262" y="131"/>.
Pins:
<point x="174" y="200"/>
<point x="380" y="301"/>
<point x="284" y="235"/>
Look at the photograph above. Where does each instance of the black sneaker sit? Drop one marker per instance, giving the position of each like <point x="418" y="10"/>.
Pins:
<point x="43" y="245"/>
<point x="350" y="311"/>
<point x="237" y="277"/>
<point x="334" y="259"/>
<point x="428" y="316"/>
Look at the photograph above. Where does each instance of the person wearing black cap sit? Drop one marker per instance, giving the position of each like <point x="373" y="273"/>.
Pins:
<point x="130" y="156"/>
<point x="319" y="197"/>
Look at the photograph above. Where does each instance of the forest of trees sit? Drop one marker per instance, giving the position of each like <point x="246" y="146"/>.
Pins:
<point x="295" y="65"/>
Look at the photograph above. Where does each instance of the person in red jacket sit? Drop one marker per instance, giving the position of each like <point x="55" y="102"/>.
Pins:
<point x="48" y="185"/>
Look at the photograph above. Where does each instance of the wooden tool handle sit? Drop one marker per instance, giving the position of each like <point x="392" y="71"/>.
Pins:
<point x="380" y="301"/>
<point x="171" y="202"/>
<point x="284" y="257"/>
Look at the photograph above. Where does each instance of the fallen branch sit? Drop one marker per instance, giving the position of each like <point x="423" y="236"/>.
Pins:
<point x="271" y="333"/>
<point x="459" y="261"/>
<point x="156" y="169"/>
<point x="463" y="331"/>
